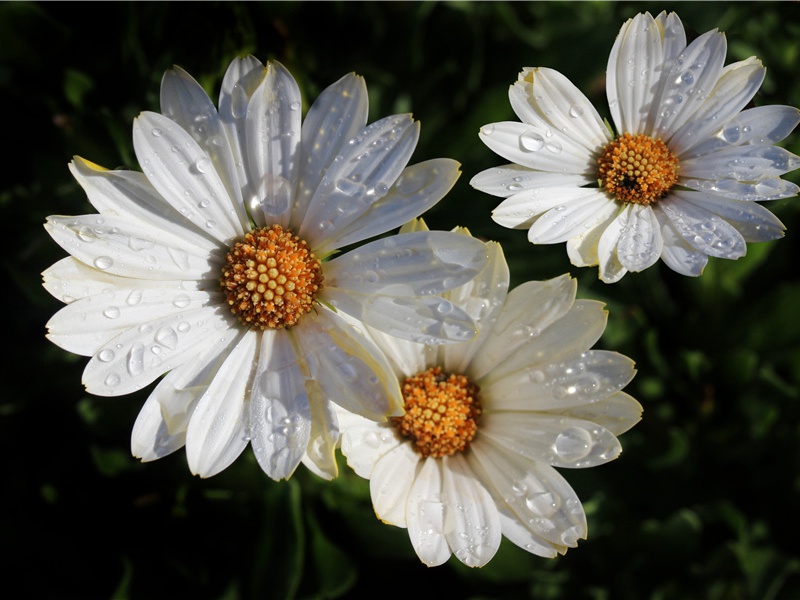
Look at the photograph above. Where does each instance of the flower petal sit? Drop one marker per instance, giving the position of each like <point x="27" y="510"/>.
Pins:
<point x="320" y="456"/>
<point x="362" y="174"/>
<point x="217" y="431"/>
<point x="528" y="310"/>
<point x="279" y="412"/>
<point x="770" y="188"/>
<point x="138" y="356"/>
<point x="122" y="247"/>
<point x="677" y="254"/>
<point x="87" y="324"/>
<point x="617" y="413"/>
<point x="519" y="534"/>
<point x="753" y="221"/>
<point x="151" y="439"/>
<point x="349" y="368"/>
<point x="337" y="115"/>
<point x="570" y="219"/>
<point x="391" y="482"/>
<point x="425" y="515"/>
<point x="510" y="180"/>
<point x="743" y="163"/>
<point x="611" y="269"/>
<point x="538" y="148"/>
<point x="417" y="189"/>
<point x="184" y="175"/>
<point x="273" y="144"/>
<point x="582" y="249"/>
<point x="640" y="243"/>
<point x="472" y="525"/>
<point x="555" y="439"/>
<point x="185" y="101"/>
<point x="535" y="493"/>
<point x="365" y="442"/>
<point x="578" y="380"/>
<point x="701" y="229"/>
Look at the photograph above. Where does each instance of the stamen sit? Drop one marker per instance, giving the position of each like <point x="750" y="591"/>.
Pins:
<point x="271" y="278"/>
<point x="637" y="168"/>
<point x="442" y="412"/>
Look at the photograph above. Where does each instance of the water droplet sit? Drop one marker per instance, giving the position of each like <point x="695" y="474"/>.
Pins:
<point x="573" y="444"/>
<point x="544" y="505"/>
<point x="554" y="146"/>
<point x="157" y="132"/>
<point x="111" y="312"/>
<point x="112" y="379"/>
<point x="134" y="297"/>
<point x="487" y="129"/>
<point x="166" y="336"/>
<point x="181" y="301"/>
<point x="210" y="224"/>
<point x="294" y="106"/>
<point x="531" y="141"/>
<point x="85" y="234"/>
<point x="184" y="326"/>
<point x="202" y="165"/>
<point x="136" y="360"/>
<point x="106" y="355"/>
<point x="103" y="262"/>
<point x="575" y="111"/>
<point x="139" y="244"/>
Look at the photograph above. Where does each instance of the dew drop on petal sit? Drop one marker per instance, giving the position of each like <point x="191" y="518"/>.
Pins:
<point x="531" y="141"/>
<point x="166" y="336"/>
<point x="487" y="129"/>
<point x="111" y="312"/>
<point x="112" y="380"/>
<point x="573" y="444"/>
<point x="106" y="355"/>
<point x="134" y="297"/>
<point x="181" y="301"/>
<point x="575" y="111"/>
<point x="157" y="132"/>
<point x="136" y="360"/>
<point x="103" y="262"/>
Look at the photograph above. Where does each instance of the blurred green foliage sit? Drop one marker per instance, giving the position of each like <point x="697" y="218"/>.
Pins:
<point x="701" y="504"/>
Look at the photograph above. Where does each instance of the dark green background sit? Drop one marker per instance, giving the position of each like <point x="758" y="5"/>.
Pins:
<point x="703" y="501"/>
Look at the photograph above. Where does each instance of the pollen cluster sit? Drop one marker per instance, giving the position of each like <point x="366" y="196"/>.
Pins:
<point x="271" y="278"/>
<point x="442" y="412"/>
<point x="637" y="168"/>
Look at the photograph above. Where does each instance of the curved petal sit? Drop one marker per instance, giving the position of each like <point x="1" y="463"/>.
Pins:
<point x="743" y="163"/>
<point x="151" y="439"/>
<point x="122" y="247"/>
<point x="569" y="220"/>
<point x="617" y="413"/>
<point x="770" y="188"/>
<point x="320" y="456"/>
<point x="528" y="310"/>
<point x="138" y="356"/>
<point x="583" y="379"/>
<point x="217" y="431"/>
<point x="555" y="439"/>
<point x="509" y="180"/>
<point x="520" y="210"/>
<point x="336" y="116"/>
<point x="184" y="175"/>
<point x="348" y="367"/>
<point x="517" y="533"/>
<point x="417" y="189"/>
<point x="391" y="482"/>
<point x="582" y="250"/>
<point x="425" y="514"/>
<point x="185" y="101"/>
<point x="611" y="269"/>
<point x="640" y="243"/>
<point x="677" y="254"/>
<point x="279" y="413"/>
<point x="538" y="148"/>
<point x="86" y="325"/>
<point x="365" y="442"/>
<point x="533" y="492"/>
<point x="472" y="524"/>
<point x="272" y="127"/>
<point x="754" y="222"/>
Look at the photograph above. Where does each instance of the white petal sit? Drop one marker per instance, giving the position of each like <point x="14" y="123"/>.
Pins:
<point x="123" y="247"/>
<point x="569" y="220"/>
<point x="279" y="412"/>
<point x="568" y="110"/>
<point x="185" y="101"/>
<point x="241" y="80"/>
<point x="365" y="442"/>
<point x="517" y="533"/>
<point x="582" y="250"/>
<point x="138" y="356"/>
<point x="273" y="143"/>
<point x="687" y="84"/>
<point x="640" y="243"/>
<point x="701" y="229"/>
<point x="417" y="189"/>
<point x="611" y="269"/>
<point x="583" y="379"/>
<point x="677" y="254"/>
<point x="391" y="483"/>
<point x="361" y="175"/>
<point x="737" y="85"/>
<point x="520" y="210"/>
<point x="472" y="524"/>
<point x="674" y="42"/>
<point x="87" y="324"/>
<point x="534" y="492"/>
<point x="617" y="413"/>
<point x="425" y="515"/>
<point x="184" y="175"/>
<point x="753" y="221"/>
<point x="406" y="357"/>
<point x="320" y="456"/>
<point x="348" y="366"/>
<point x="529" y="308"/>
<point x="538" y="148"/>
<point x="573" y="333"/>
<point x="422" y="263"/>
<point x="509" y="180"/>
<point x="335" y="117"/>
<point x="744" y="163"/>
<point x="130" y="195"/>
<point x="770" y="188"/>
<point x="217" y="431"/>
<point x="555" y="439"/>
<point x="482" y="299"/>
<point x="151" y="439"/>
<point x="633" y="72"/>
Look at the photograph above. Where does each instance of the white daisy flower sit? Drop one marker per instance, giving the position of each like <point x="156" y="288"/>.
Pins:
<point x="212" y="267"/>
<point x="486" y="421"/>
<point x="680" y="179"/>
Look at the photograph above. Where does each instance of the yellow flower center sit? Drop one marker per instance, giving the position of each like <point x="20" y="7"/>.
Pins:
<point x="271" y="278"/>
<point x="442" y="412"/>
<point x="637" y="168"/>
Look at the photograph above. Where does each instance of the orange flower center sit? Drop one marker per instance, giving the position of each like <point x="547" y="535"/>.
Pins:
<point x="637" y="168"/>
<point x="271" y="278"/>
<point x="442" y="412"/>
